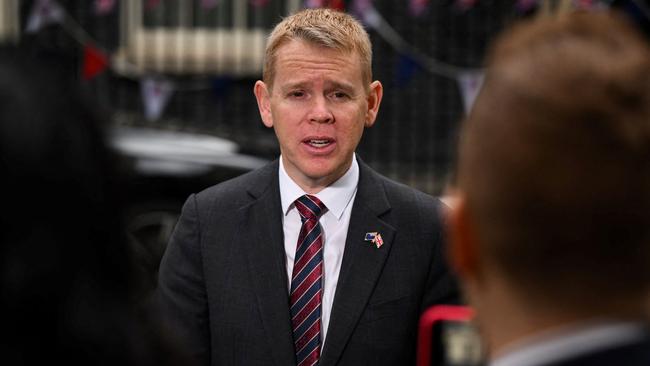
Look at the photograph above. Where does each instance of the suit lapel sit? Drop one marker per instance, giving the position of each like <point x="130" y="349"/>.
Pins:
<point x="362" y="263"/>
<point x="264" y="243"/>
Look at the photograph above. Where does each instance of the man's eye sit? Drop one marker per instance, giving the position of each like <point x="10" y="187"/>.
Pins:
<point x="297" y="94"/>
<point x="339" y="95"/>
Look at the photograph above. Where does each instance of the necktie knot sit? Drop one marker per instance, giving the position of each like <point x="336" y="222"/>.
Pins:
<point x="309" y="207"/>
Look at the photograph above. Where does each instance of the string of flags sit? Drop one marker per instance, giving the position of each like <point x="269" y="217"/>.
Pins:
<point x="469" y="80"/>
<point x="157" y="91"/>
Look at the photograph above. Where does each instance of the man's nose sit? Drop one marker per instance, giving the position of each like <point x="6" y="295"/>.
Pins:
<point x="320" y="111"/>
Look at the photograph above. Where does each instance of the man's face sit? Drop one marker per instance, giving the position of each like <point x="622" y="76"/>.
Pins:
<point x="318" y="106"/>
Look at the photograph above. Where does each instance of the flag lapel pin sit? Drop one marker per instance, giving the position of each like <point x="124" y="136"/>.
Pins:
<point x="375" y="238"/>
<point x="378" y="240"/>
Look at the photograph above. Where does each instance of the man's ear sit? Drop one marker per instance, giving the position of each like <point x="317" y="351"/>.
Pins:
<point x="263" y="96"/>
<point x="463" y="243"/>
<point x="374" y="100"/>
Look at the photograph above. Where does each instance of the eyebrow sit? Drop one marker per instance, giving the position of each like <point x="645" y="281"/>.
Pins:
<point x="328" y="86"/>
<point x="292" y="86"/>
<point x="336" y="85"/>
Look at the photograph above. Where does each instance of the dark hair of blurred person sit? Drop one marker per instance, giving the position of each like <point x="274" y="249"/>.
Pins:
<point x="67" y="286"/>
<point x="552" y="233"/>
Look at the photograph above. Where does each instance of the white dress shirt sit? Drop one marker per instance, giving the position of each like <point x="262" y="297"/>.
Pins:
<point x="338" y="198"/>
<point x="567" y="342"/>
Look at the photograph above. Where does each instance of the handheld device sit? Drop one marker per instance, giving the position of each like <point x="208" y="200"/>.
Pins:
<point x="447" y="337"/>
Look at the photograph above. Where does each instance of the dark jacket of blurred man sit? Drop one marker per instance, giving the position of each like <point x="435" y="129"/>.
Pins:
<point x="234" y="280"/>
<point x="552" y="233"/>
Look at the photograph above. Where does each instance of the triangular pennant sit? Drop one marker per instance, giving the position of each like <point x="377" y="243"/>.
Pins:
<point x="259" y="3"/>
<point x="221" y="86"/>
<point x="418" y="7"/>
<point x="359" y="7"/>
<point x="44" y="12"/>
<point x="465" y="5"/>
<point x="525" y="6"/>
<point x="95" y="61"/>
<point x="337" y="5"/>
<point x="584" y="4"/>
<point x="314" y="3"/>
<point x="469" y="83"/>
<point x="155" y="95"/>
<point x="406" y="69"/>
<point x="103" y="7"/>
<point x="152" y="4"/>
<point x="209" y="4"/>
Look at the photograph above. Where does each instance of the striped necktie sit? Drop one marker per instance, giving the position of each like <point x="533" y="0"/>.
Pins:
<point x="306" y="283"/>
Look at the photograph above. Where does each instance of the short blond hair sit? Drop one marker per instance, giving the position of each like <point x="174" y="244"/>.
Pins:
<point x="321" y="27"/>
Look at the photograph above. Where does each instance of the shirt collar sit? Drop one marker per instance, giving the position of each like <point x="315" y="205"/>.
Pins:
<point x="571" y="341"/>
<point x="336" y="197"/>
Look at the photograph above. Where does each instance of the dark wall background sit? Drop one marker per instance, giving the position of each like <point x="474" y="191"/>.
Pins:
<point x="415" y="135"/>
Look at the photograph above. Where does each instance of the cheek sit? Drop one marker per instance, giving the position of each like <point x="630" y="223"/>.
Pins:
<point x="354" y="129"/>
<point x="283" y="123"/>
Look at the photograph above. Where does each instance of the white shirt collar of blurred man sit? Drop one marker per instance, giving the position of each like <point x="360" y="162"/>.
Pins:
<point x="569" y="341"/>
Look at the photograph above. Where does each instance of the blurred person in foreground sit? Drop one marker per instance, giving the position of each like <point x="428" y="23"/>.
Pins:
<point x="315" y="258"/>
<point x="66" y="278"/>
<point x="551" y="235"/>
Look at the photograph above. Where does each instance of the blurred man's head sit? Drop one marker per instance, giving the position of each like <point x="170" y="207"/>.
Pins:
<point x="554" y="168"/>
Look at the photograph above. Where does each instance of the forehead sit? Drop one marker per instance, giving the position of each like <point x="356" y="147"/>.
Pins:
<point x="298" y="59"/>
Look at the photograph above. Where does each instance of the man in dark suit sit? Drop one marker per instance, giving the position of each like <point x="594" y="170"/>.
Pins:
<point x="551" y="232"/>
<point x="315" y="258"/>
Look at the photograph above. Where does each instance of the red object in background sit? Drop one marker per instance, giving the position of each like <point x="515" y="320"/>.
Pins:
<point x="95" y="61"/>
<point x="337" y="4"/>
<point x="429" y="319"/>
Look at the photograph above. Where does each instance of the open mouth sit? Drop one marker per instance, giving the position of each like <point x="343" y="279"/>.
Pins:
<point x="318" y="143"/>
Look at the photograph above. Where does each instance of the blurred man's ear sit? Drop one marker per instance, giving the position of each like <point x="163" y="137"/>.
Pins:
<point x="262" y="94"/>
<point x="463" y="245"/>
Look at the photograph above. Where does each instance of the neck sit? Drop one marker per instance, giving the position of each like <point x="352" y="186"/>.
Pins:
<point x="313" y="185"/>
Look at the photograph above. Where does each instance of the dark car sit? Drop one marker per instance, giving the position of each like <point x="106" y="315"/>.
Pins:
<point x="164" y="167"/>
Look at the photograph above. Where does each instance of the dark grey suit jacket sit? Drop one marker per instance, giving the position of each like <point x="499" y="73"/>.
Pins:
<point x="223" y="280"/>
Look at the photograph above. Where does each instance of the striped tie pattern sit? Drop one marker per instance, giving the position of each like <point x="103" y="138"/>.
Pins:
<point x="306" y="283"/>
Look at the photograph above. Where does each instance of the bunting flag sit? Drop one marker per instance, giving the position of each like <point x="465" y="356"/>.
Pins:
<point x="359" y="7"/>
<point x="95" y="61"/>
<point x="104" y="7"/>
<point x="332" y="4"/>
<point x="406" y="69"/>
<point x="337" y="5"/>
<point x="525" y="6"/>
<point x="44" y="12"/>
<point x="152" y="4"/>
<point x="465" y="4"/>
<point x="469" y="83"/>
<point x="221" y="86"/>
<point x="584" y="4"/>
<point x="259" y="3"/>
<point x="209" y="4"/>
<point x="552" y="8"/>
<point x="314" y="4"/>
<point x="418" y="7"/>
<point x="155" y="95"/>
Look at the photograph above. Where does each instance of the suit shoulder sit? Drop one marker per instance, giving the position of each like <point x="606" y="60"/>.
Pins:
<point x="411" y="208"/>
<point x="399" y="193"/>
<point x="235" y="192"/>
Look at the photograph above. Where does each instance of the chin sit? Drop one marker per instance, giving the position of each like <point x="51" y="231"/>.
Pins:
<point x="317" y="175"/>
